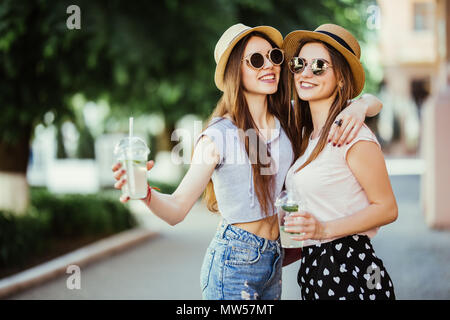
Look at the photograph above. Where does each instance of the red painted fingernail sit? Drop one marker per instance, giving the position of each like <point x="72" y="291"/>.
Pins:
<point x="339" y="145"/>
<point x="329" y="140"/>
<point x="334" y="144"/>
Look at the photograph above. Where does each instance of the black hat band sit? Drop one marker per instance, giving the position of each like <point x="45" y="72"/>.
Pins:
<point x="338" y="39"/>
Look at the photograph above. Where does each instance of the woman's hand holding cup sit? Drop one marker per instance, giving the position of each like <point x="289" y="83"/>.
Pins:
<point x="119" y="173"/>
<point x="307" y="225"/>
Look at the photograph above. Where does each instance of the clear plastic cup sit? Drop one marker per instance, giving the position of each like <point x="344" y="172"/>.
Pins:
<point x="287" y="204"/>
<point x="133" y="152"/>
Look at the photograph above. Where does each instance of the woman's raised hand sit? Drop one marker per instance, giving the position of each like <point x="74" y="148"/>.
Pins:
<point x="348" y="123"/>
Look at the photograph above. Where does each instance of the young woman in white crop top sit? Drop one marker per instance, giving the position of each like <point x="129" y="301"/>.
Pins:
<point x="346" y="190"/>
<point x="244" y="258"/>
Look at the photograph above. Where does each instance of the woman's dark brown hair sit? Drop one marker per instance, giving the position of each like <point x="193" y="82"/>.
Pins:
<point x="302" y="112"/>
<point x="233" y="102"/>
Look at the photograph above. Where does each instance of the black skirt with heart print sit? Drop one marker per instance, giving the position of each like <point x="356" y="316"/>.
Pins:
<point x="344" y="269"/>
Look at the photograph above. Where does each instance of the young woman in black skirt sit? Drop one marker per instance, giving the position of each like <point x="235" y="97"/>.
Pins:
<point x="346" y="188"/>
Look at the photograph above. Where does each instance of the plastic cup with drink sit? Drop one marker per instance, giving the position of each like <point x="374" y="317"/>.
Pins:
<point x="132" y="152"/>
<point x="286" y="205"/>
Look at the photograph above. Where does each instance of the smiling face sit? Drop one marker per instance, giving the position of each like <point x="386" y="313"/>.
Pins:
<point x="262" y="81"/>
<point x="309" y="86"/>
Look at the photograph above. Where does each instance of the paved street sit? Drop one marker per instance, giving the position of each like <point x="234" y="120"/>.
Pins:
<point x="168" y="266"/>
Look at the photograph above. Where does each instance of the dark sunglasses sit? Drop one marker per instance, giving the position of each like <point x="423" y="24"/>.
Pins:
<point x="318" y="66"/>
<point x="256" y="59"/>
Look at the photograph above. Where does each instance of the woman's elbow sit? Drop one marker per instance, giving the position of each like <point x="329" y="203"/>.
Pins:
<point x="178" y="212"/>
<point x="177" y="218"/>
<point x="393" y="210"/>
<point x="175" y="221"/>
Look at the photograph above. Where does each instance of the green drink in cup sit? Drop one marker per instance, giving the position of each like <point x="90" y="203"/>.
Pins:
<point x="287" y="204"/>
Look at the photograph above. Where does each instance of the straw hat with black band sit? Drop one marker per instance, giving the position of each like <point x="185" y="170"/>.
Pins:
<point x="230" y="38"/>
<point x="340" y="39"/>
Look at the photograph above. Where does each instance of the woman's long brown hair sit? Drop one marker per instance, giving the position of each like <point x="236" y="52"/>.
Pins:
<point x="302" y="112"/>
<point x="233" y="102"/>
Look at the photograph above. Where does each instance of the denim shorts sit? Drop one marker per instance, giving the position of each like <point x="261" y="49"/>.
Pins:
<point x="239" y="265"/>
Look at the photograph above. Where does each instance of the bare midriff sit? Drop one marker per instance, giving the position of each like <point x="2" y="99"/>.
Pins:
<point x="265" y="228"/>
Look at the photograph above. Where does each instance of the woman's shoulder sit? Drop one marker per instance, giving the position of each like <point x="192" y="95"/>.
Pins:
<point x="364" y="134"/>
<point x="222" y="122"/>
<point x="218" y="129"/>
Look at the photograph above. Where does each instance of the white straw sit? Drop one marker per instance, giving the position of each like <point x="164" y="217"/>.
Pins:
<point x="130" y="169"/>
<point x="131" y="127"/>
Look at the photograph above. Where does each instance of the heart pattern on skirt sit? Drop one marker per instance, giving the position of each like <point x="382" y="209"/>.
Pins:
<point x="343" y="270"/>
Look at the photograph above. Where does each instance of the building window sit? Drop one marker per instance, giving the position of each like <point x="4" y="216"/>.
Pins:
<point x="423" y="16"/>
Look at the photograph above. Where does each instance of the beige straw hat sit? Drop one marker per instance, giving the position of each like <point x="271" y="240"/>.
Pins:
<point x="340" y="39"/>
<point x="229" y="39"/>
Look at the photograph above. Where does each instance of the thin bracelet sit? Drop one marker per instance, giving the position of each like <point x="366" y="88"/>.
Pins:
<point x="149" y="194"/>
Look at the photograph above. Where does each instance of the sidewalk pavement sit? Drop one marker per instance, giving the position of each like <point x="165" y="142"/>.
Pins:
<point x="168" y="266"/>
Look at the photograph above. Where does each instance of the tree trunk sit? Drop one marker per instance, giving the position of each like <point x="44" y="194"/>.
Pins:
<point x="14" y="189"/>
<point x="14" y="194"/>
<point x="163" y="142"/>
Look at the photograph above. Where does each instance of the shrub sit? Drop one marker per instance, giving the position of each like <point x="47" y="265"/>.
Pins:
<point x="22" y="236"/>
<point x="54" y="217"/>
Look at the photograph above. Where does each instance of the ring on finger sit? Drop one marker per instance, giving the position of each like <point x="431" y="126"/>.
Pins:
<point x="338" y="122"/>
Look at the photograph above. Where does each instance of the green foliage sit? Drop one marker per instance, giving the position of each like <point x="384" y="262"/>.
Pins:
<point x="22" y="236"/>
<point x="73" y="215"/>
<point x="163" y="186"/>
<point x="144" y="56"/>
<point x="52" y="218"/>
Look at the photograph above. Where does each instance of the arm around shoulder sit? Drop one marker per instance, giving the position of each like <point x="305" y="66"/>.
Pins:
<point x="374" y="105"/>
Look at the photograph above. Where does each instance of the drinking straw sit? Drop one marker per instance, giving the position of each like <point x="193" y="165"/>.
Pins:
<point x="130" y="132"/>
<point x="130" y="160"/>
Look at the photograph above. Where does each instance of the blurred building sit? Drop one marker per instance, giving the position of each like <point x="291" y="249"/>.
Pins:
<point x="415" y="51"/>
<point x="409" y="52"/>
<point x="436" y="136"/>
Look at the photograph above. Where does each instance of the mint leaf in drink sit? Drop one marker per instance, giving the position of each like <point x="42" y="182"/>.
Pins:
<point x="138" y="162"/>
<point x="290" y="207"/>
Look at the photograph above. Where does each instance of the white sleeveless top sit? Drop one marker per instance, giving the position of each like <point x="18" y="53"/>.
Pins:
<point x="233" y="177"/>
<point x="327" y="185"/>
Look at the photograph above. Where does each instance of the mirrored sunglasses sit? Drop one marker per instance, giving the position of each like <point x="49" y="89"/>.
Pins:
<point x="317" y="66"/>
